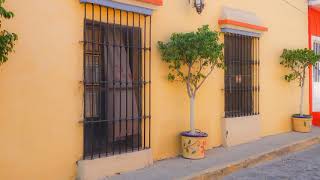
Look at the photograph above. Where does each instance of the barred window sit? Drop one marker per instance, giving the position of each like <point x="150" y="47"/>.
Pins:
<point x="241" y="75"/>
<point x="117" y="75"/>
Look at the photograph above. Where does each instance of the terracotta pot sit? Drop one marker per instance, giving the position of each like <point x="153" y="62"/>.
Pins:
<point x="193" y="145"/>
<point x="302" y="123"/>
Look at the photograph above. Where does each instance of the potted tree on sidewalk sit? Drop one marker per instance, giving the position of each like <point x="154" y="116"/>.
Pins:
<point x="191" y="58"/>
<point x="297" y="61"/>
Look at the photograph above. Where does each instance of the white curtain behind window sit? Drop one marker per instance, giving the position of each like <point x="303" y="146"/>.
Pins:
<point x="120" y="103"/>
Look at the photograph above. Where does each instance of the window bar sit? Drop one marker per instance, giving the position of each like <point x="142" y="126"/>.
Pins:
<point x="113" y="80"/>
<point x="150" y="33"/>
<point x="253" y="78"/>
<point x="230" y="64"/>
<point x="258" y="75"/>
<point x="144" y="82"/>
<point x="235" y="85"/>
<point x="232" y="102"/>
<point x="232" y="56"/>
<point x="239" y="64"/>
<point x="139" y="82"/>
<point x="225" y="74"/>
<point x="132" y="86"/>
<point x="99" y="79"/>
<point x="245" y="76"/>
<point x="240" y="74"/>
<point x="231" y="69"/>
<point x="251" y="65"/>
<point x="248" y="79"/>
<point x="249" y="83"/>
<point x="127" y="61"/>
<point x="233" y="89"/>
<point x="107" y="45"/>
<point x="226" y="80"/>
<point x="84" y="77"/>
<point x="92" y="91"/>
<point x="120" y="89"/>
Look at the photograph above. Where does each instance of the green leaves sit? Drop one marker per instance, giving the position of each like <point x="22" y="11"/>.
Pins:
<point x="192" y="56"/>
<point x="6" y="44"/>
<point x="7" y="38"/>
<point x="297" y="60"/>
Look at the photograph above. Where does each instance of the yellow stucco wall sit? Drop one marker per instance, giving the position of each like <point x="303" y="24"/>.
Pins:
<point x="279" y="99"/>
<point x="41" y="93"/>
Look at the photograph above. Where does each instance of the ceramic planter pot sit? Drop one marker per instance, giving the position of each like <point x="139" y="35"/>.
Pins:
<point x="193" y="145"/>
<point x="302" y="123"/>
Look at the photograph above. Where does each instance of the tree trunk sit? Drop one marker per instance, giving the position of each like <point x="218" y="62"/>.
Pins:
<point x="192" y="125"/>
<point x="301" y="99"/>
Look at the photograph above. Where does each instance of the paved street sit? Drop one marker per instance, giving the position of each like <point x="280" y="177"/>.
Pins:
<point x="303" y="165"/>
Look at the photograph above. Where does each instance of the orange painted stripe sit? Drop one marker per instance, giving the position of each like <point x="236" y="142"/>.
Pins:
<point x="242" y="24"/>
<point x="155" y="2"/>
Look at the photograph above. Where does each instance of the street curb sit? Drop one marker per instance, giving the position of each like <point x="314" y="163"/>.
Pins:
<point x="221" y="171"/>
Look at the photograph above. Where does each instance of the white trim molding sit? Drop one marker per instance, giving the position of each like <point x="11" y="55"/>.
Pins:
<point x="314" y="2"/>
<point x="122" y="6"/>
<point x="241" y="32"/>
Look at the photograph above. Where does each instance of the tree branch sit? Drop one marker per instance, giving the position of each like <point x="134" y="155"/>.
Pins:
<point x="203" y="80"/>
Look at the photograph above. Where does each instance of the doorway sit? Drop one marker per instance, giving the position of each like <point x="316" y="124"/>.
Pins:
<point x="316" y="83"/>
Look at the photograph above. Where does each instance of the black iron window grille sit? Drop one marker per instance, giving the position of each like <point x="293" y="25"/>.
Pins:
<point x="117" y="78"/>
<point x="241" y="75"/>
<point x="316" y="67"/>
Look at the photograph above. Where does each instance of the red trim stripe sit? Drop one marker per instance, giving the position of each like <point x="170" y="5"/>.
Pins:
<point x="154" y="2"/>
<point x="242" y="24"/>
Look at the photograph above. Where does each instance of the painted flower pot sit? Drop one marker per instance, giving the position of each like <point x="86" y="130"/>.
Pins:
<point x="302" y="123"/>
<point x="193" y="145"/>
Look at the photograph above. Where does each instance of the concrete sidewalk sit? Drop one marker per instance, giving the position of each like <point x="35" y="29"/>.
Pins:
<point x="222" y="161"/>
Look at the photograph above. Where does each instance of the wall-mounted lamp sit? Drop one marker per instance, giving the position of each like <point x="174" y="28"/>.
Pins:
<point x="199" y="5"/>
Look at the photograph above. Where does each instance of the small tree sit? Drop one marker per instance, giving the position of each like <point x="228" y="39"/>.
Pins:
<point x="192" y="57"/>
<point x="297" y="61"/>
<point x="7" y="39"/>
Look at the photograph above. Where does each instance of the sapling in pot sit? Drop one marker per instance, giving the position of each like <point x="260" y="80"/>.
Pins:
<point x="297" y="61"/>
<point x="191" y="58"/>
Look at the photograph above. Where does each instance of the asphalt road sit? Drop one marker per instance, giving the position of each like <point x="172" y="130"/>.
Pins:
<point x="303" y="165"/>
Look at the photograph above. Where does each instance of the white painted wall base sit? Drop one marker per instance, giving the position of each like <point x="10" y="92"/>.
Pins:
<point x="98" y="169"/>
<point x="240" y="130"/>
